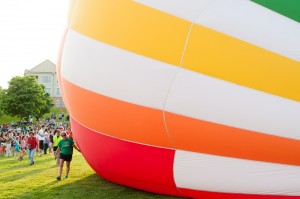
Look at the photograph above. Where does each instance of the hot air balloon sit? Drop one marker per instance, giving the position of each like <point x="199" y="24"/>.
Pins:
<point x="192" y="98"/>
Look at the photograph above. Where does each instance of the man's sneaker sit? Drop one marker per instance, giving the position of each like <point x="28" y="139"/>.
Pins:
<point x="58" y="178"/>
<point x="66" y="177"/>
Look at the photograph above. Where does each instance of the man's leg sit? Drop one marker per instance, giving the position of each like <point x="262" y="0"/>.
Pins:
<point x="32" y="156"/>
<point x="45" y="148"/>
<point x="57" y="159"/>
<point x="67" y="168"/>
<point x="61" y="165"/>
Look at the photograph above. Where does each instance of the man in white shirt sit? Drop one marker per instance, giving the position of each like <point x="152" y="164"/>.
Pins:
<point x="41" y="135"/>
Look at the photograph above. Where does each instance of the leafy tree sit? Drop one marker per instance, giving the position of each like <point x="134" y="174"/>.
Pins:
<point x="47" y="108"/>
<point x="24" y="97"/>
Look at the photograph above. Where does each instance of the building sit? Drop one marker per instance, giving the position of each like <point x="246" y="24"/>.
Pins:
<point x="45" y="74"/>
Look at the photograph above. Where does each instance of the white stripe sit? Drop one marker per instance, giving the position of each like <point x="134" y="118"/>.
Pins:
<point x="209" y="99"/>
<point x="241" y="19"/>
<point x="220" y="174"/>
<point x="114" y="72"/>
<point x="122" y="75"/>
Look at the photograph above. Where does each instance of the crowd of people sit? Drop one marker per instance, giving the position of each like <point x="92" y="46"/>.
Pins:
<point x="46" y="136"/>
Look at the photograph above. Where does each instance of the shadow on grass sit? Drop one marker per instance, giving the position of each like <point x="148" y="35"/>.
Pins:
<point x="17" y="165"/>
<point x="90" y="187"/>
<point x="10" y="178"/>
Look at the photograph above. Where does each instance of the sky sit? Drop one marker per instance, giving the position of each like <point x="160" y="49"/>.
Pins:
<point x="30" y="32"/>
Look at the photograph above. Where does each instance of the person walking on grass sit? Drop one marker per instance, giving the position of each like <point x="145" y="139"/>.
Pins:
<point x="56" y="139"/>
<point x="8" y="141"/>
<point x="65" y="147"/>
<point x="32" y="144"/>
<point x="41" y="135"/>
<point x="22" y="147"/>
<point x="17" y="147"/>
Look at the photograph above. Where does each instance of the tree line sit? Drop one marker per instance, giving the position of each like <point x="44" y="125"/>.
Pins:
<point x="24" y="97"/>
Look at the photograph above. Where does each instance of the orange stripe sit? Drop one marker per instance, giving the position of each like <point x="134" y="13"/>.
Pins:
<point x="114" y="117"/>
<point x="146" y="125"/>
<point x="210" y="138"/>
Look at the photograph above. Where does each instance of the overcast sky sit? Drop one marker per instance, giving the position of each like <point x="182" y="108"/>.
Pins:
<point x="30" y="32"/>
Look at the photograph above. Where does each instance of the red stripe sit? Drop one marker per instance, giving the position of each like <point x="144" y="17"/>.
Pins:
<point x="216" y="195"/>
<point x="135" y="165"/>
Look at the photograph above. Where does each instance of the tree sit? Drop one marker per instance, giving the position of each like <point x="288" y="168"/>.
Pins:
<point x="24" y="97"/>
<point x="47" y="108"/>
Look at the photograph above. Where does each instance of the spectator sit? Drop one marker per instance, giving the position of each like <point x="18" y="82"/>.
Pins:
<point x="56" y="139"/>
<point x="2" y="144"/>
<point x="40" y="136"/>
<point x="8" y="141"/>
<point x="32" y="144"/>
<point x="46" y="141"/>
<point x="22" y="147"/>
<point x="17" y="147"/>
<point x="65" y="147"/>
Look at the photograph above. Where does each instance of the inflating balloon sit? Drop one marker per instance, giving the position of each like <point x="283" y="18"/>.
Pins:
<point x="193" y="98"/>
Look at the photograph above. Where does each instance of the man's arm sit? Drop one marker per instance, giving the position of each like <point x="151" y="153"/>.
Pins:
<point x="75" y="146"/>
<point x="57" y="152"/>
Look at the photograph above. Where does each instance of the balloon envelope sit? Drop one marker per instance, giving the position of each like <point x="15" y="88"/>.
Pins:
<point x="187" y="98"/>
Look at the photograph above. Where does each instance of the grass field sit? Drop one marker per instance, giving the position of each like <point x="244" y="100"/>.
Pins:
<point x="19" y="180"/>
<point x="8" y="119"/>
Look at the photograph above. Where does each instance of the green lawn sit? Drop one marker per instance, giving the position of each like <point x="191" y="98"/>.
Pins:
<point x="8" y="119"/>
<point x="19" y="180"/>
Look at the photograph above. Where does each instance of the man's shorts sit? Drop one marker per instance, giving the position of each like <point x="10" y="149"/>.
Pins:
<point x="41" y="144"/>
<point x="55" y="148"/>
<point x="67" y="158"/>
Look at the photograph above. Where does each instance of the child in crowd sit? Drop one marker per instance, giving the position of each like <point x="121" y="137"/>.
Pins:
<point x="23" y="147"/>
<point x="17" y="147"/>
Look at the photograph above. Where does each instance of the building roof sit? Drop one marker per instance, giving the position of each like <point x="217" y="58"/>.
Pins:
<point x="45" y="67"/>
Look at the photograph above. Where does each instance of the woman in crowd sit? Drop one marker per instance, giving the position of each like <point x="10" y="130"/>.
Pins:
<point x="8" y="141"/>
<point x="2" y="144"/>
<point x="23" y="147"/>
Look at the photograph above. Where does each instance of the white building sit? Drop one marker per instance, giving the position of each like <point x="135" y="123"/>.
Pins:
<point x="45" y="74"/>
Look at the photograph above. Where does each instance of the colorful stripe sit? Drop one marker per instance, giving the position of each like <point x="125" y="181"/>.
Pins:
<point x="161" y="39"/>
<point x="116" y="118"/>
<point x="288" y="8"/>
<point x="211" y="138"/>
<point x="126" y="162"/>
<point x="236" y="19"/>
<point x="233" y="60"/>
<point x="198" y="171"/>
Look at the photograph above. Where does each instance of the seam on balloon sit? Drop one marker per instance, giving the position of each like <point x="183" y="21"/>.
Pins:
<point x="168" y="92"/>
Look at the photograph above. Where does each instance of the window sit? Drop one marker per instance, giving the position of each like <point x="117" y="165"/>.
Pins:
<point x="48" y="90"/>
<point x="46" y="80"/>
<point x="57" y="92"/>
<point x="57" y="103"/>
<point x="62" y="104"/>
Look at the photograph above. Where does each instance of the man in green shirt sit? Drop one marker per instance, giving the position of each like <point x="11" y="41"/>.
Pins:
<point x="65" y="147"/>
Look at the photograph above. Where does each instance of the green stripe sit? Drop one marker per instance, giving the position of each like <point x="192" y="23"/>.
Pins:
<point x="288" y="8"/>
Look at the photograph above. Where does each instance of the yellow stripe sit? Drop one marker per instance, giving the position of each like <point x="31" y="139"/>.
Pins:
<point x="161" y="36"/>
<point x="133" y="27"/>
<point x="218" y="55"/>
